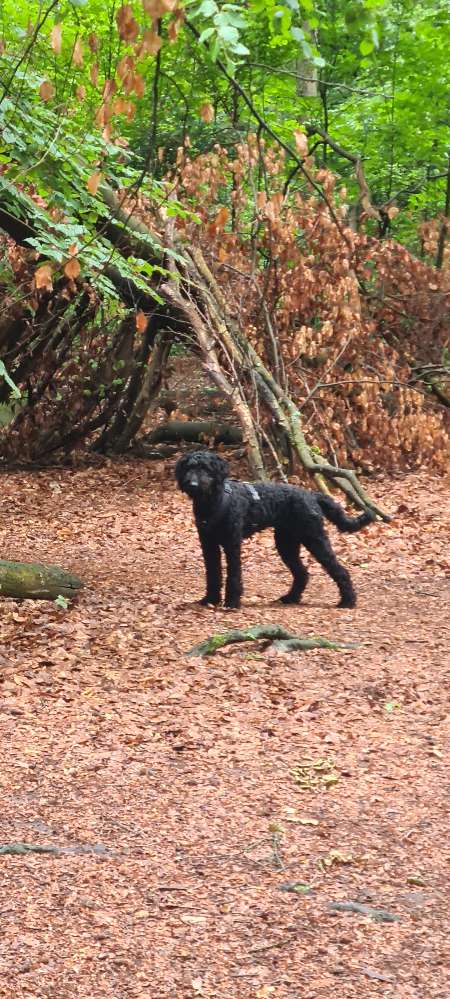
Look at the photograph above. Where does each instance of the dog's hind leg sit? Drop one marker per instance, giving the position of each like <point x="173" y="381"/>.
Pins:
<point x="288" y="549"/>
<point x="321" y="549"/>
<point x="213" y="567"/>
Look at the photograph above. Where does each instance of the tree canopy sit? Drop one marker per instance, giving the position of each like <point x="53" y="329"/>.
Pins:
<point x="303" y="148"/>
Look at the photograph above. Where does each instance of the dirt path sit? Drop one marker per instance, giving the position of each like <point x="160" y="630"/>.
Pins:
<point x="173" y="785"/>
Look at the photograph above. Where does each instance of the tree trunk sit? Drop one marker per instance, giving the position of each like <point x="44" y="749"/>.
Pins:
<point x="32" y="581"/>
<point x="146" y="390"/>
<point x="445" y="222"/>
<point x="305" y="67"/>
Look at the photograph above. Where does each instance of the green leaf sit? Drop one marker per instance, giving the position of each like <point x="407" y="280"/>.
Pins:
<point x="240" y="49"/>
<point x="227" y="33"/>
<point x="61" y="602"/>
<point x="366" y="46"/>
<point x="205" y="35"/>
<point x="214" y="50"/>
<point x="15" y="391"/>
<point x="206" y="9"/>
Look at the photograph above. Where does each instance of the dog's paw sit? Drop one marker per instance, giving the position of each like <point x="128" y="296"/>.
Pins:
<point x="232" y="604"/>
<point x="347" y="604"/>
<point x="209" y="602"/>
<point x="289" y="599"/>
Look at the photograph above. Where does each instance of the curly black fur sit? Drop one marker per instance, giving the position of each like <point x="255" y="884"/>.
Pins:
<point x="226" y="512"/>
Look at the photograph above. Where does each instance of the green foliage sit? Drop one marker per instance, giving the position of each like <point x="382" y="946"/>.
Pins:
<point x="221" y="28"/>
<point x="50" y="158"/>
<point x="383" y="78"/>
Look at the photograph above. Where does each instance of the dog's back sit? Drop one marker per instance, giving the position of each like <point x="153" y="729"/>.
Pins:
<point x="277" y="505"/>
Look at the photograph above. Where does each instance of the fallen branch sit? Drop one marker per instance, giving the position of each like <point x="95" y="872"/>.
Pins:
<point x="32" y="581"/>
<point x="282" y="640"/>
<point x="194" y="431"/>
<point x="23" y="849"/>
<point x="230" y="391"/>
<point x="378" y="915"/>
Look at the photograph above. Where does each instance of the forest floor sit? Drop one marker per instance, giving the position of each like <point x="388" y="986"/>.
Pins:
<point x="207" y="812"/>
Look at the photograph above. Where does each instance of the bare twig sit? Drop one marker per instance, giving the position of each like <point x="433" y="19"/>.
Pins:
<point x="323" y="83"/>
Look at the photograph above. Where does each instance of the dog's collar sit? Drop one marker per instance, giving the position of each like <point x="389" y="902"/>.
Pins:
<point x="210" y="522"/>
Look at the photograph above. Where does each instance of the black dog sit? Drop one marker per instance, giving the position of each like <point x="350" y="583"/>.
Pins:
<point x="226" y="512"/>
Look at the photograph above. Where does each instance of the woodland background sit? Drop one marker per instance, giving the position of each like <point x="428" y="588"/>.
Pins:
<point x="218" y="180"/>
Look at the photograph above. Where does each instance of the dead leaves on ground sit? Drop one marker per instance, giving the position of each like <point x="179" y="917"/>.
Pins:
<point x="209" y="781"/>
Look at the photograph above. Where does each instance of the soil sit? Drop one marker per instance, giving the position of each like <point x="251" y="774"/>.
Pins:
<point x="205" y="814"/>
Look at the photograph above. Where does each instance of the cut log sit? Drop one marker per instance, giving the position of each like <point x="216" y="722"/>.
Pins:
<point x="194" y="431"/>
<point x="32" y="581"/>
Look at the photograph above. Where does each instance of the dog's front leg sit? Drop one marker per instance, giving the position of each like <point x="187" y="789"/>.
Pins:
<point x="233" y="587"/>
<point x="213" y="567"/>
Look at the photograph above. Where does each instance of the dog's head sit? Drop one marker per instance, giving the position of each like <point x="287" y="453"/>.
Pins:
<point x="201" y="474"/>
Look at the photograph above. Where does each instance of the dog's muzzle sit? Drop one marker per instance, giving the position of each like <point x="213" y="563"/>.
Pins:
<point x="192" y="484"/>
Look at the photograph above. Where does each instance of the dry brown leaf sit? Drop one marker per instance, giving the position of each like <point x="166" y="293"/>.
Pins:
<point x="46" y="90"/>
<point x="56" y="38"/>
<point x="151" y="42"/>
<point x="127" y="26"/>
<point x="221" y="217"/>
<point x="141" y="322"/>
<point x="94" y="181"/>
<point x="109" y="88"/>
<point x="173" y="29"/>
<point x="206" y="112"/>
<point x="157" y="8"/>
<point x="43" y="277"/>
<point x="93" y="73"/>
<point x="77" y="55"/>
<point x="120" y="105"/>
<point x="72" y="268"/>
<point x="125" y="66"/>
<point x="301" y="142"/>
<point x="138" y="85"/>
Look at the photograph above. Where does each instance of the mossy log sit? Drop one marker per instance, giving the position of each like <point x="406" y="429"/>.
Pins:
<point x="280" y="639"/>
<point x="32" y="581"/>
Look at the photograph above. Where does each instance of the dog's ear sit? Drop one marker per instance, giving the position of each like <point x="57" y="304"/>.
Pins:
<point x="180" y="468"/>
<point x="221" y="467"/>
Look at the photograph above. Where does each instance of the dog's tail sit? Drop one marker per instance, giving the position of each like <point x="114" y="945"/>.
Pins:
<point x="336" y="514"/>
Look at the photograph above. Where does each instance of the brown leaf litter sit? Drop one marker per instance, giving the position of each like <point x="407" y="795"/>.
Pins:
<point x="169" y="784"/>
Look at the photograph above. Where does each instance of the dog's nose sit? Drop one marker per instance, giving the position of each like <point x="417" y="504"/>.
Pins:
<point x="193" y="481"/>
